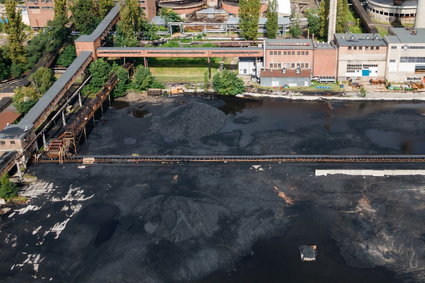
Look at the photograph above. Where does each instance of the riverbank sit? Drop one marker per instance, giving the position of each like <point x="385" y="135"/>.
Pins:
<point x="349" y="96"/>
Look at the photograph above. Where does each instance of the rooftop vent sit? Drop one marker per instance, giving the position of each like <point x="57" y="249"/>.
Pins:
<point x="352" y="37"/>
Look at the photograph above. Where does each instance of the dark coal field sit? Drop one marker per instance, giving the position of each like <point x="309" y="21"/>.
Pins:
<point x="226" y="222"/>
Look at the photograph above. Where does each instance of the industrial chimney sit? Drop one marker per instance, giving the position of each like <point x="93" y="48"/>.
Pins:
<point x="420" y="15"/>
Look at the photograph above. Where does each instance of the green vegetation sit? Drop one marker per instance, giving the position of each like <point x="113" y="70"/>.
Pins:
<point x="84" y="16"/>
<point x="67" y="56"/>
<point x="25" y="98"/>
<point x="227" y="83"/>
<point x="8" y="190"/>
<point x="249" y="12"/>
<point x="363" y="92"/>
<point x="42" y="80"/>
<point x="60" y="8"/>
<point x="123" y="78"/>
<point x="103" y="7"/>
<point x="354" y="24"/>
<point x="313" y="22"/>
<point x="144" y="80"/>
<point x="133" y="26"/>
<point x="342" y="17"/>
<point x="169" y="15"/>
<point x="272" y="19"/>
<point x="4" y="65"/>
<point x="16" y="36"/>
<point x="295" y="29"/>
<point x="100" y="72"/>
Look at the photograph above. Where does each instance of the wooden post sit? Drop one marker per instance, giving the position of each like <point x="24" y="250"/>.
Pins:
<point x="19" y="170"/>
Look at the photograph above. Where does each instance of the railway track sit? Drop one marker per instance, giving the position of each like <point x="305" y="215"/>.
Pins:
<point x="87" y="159"/>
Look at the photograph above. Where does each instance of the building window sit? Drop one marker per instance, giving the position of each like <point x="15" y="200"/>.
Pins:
<point x="279" y="53"/>
<point x="349" y="47"/>
<point x="412" y="60"/>
<point x="393" y="47"/>
<point x="302" y="52"/>
<point x="306" y="53"/>
<point x="360" y="48"/>
<point x="298" y="52"/>
<point x="377" y="47"/>
<point x="2" y="142"/>
<point x="284" y="53"/>
<point x="293" y="52"/>
<point x="392" y="61"/>
<point x="306" y="65"/>
<point x="355" y="47"/>
<point x="12" y="142"/>
<point x="293" y="65"/>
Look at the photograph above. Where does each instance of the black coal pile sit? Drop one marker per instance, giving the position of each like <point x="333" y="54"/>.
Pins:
<point x="190" y="121"/>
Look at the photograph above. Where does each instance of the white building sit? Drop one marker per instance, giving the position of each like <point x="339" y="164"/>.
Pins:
<point x="406" y="55"/>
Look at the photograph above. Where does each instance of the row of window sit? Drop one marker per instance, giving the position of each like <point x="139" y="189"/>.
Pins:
<point x="3" y="142"/>
<point x="409" y="47"/>
<point x="351" y="68"/>
<point x="412" y="59"/>
<point x="361" y="47"/>
<point x="37" y="8"/>
<point x="288" y="65"/>
<point x="391" y="14"/>
<point x="289" y="53"/>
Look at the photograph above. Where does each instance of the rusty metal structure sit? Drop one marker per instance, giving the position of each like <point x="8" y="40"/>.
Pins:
<point x="65" y="145"/>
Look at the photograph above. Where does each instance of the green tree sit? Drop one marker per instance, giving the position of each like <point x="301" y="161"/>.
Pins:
<point x="144" y="80"/>
<point x="24" y="98"/>
<point x="84" y="16"/>
<point x="227" y="83"/>
<point x="123" y="77"/>
<point x="100" y="72"/>
<point x="104" y="6"/>
<point x="313" y="22"/>
<point x="15" y="31"/>
<point x="60" y="8"/>
<point x="272" y="19"/>
<point x="67" y="56"/>
<point x="249" y="12"/>
<point x="4" y="65"/>
<point x="324" y="19"/>
<point x="42" y="80"/>
<point x="294" y="29"/>
<point x="169" y="15"/>
<point x="8" y="189"/>
<point x="342" y="16"/>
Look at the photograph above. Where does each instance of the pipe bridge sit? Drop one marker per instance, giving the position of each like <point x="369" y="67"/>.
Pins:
<point x="90" y="159"/>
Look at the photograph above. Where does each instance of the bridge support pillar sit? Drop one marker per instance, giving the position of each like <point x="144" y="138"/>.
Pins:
<point x="63" y="119"/>
<point x="80" y="102"/>
<point x="18" y="168"/>
<point x="101" y="108"/>
<point x="145" y="62"/>
<point x="44" y="141"/>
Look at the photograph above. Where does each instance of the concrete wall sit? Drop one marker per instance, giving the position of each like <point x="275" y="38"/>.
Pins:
<point x="381" y="12"/>
<point x="361" y="57"/>
<point x="282" y="81"/>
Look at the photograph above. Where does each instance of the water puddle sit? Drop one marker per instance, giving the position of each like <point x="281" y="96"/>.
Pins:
<point x="118" y="104"/>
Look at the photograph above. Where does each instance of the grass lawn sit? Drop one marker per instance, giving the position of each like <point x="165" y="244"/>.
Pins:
<point x="182" y="70"/>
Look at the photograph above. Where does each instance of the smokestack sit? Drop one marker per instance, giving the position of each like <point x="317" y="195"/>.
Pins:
<point x="420" y="15"/>
<point x="333" y="5"/>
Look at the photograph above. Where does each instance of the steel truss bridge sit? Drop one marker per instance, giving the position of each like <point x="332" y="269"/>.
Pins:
<point x="90" y="159"/>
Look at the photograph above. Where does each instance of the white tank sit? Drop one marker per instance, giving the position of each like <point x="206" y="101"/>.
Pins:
<point x="284" y="7"/>
<point x="420" y="15"/>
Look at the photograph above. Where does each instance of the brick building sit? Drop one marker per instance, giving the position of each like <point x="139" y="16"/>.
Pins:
<point x="42" y="11"/>
<point x="360" y="56"/>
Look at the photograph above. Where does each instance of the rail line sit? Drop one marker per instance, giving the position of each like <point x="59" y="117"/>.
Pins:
<point x="88" y="159"/>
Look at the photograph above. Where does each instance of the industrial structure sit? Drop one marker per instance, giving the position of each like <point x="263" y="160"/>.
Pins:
<point x="276" y="63"/>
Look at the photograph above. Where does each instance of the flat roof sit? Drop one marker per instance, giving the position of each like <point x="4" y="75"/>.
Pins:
<point x="261" y="21"/>
<point x="359" y="39"/>
<point x="289" y="43"/>
<point x="289" y="73"/>
<point x="100" y="29"/>
<point x="402" y="35"/>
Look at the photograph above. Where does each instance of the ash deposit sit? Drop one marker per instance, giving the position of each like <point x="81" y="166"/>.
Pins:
<point x="190" y="121"/>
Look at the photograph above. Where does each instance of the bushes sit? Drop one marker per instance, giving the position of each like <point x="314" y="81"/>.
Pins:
<point x="67" y="56"/>
<point x="100" y="71"/>
<point x="227" y="83"/>
<point x="144" y="80"/>
<point x="8" y="189"/>
<point x="123" y="79"/>
<point x="25" y="98"/>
